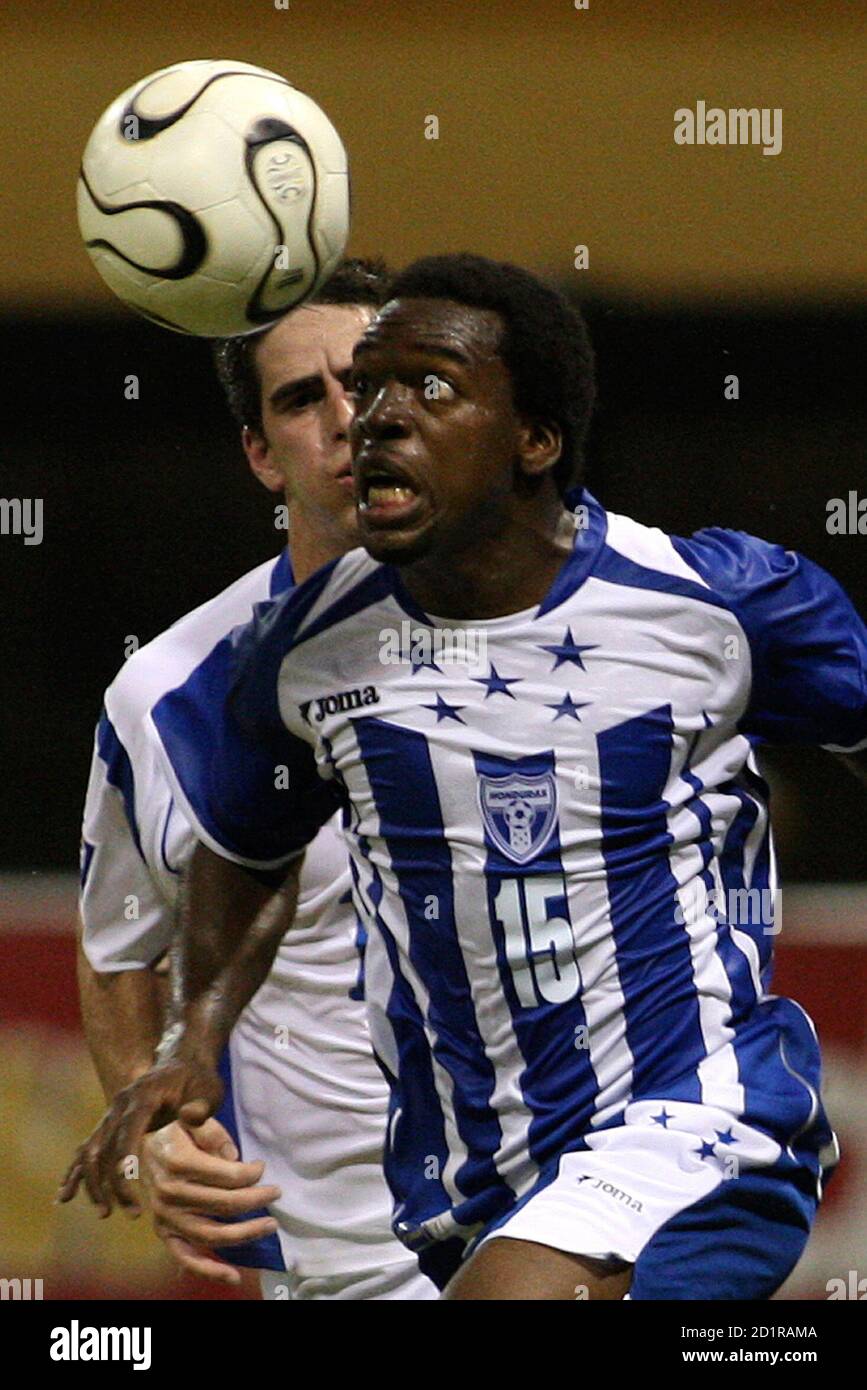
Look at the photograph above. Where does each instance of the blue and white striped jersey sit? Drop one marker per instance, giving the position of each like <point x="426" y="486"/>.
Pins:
<point x="134" y="843"/>
<point x="559" y="839"/>
<point x="303" y="1093"/>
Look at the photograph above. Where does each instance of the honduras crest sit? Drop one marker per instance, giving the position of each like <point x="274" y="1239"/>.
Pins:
<point x="519" y="811"/>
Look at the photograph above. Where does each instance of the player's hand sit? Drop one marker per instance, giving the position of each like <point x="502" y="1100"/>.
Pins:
<point x="107" y="1162"/>
<point x="192" y="1175"/>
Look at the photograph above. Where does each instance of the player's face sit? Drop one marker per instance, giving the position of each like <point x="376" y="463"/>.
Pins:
<point x="436" y="436"/>
<point x="304" y="364"/>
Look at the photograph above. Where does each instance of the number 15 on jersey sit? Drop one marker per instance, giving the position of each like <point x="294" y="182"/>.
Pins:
<point x="540" y="947"/>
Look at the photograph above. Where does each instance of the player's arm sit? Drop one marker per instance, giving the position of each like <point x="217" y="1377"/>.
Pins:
<point x="123" y="1013"/>
<point x="124" y="921"/>
<point x="808" y="644"/>
<point x="231" y="926"/>
<point x="249" y="786"/>
<point x="189" y="1177"/>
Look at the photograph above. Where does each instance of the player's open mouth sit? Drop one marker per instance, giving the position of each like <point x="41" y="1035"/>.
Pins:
<point x="386" y="494"/>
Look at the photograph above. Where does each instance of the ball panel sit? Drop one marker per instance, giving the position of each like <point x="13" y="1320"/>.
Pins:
<point x="112" y="164"/>
<point x="331" y="222"/>
<point x="238" y="244"/>
<point x="200" y="305"/>
<point x="197" y="162"/>
<point x="173" y="88"/>
<point x="148" y="235"/>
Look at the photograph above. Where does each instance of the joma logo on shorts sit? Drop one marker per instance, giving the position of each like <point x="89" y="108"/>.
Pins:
<point x="611" y="1191"/>
<point x="338" y="704"/>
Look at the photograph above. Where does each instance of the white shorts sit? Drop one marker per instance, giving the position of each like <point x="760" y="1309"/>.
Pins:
<point x="699" y="1204"/>
<point x="401" y="1280"/>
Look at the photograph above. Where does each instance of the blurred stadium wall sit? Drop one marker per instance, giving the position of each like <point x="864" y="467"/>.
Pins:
<point x="555" y="130"/>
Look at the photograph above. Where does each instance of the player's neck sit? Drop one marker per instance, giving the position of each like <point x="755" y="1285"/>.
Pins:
<point x="500" y="574"/>
<point x="310" y="550"/>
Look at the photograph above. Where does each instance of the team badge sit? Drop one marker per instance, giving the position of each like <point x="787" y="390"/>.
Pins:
<point x="520" y="812"/>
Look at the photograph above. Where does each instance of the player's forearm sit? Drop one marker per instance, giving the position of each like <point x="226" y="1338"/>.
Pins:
<point x="230" y="929"/>
<point x="123" y="1014"/>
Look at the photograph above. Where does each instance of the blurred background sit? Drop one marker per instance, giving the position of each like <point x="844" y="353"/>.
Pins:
<point x="555" y="131"/>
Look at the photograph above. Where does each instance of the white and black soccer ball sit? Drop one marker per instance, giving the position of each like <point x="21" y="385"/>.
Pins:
<point x="213" y="197"/>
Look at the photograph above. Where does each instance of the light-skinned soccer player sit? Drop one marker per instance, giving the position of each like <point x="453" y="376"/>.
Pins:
<point x="295" y="1155"/>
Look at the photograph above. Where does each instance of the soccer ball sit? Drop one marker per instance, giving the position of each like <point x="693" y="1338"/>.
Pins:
<point x="213" y="197"/>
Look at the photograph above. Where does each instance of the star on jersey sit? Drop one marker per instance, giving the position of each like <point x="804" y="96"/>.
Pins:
<point x="725" y="1136"/>
<point x="443" y="710"/>
<point x="567" y="650"/>
<point x="497" y="684"/>
<point x="567" y="706"/>
<point x="706" y="1150"/>
<point x="662" y="1118"/>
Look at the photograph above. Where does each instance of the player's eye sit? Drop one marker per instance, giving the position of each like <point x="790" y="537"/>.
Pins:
<point x="300" y="400"/>
<point x="358" y="384"/>
<point x="437" y="387"/>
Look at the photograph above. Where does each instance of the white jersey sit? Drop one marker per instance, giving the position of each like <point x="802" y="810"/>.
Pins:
<point x="303" y="1092"/>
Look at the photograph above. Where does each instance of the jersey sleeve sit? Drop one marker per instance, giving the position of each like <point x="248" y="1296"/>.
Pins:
<point x="250" y="787"/>
<point x="126" y="919"/>
<point x="807" y="642"/>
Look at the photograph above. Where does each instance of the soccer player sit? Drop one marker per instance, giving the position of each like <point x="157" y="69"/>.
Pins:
<point x="568" y="968"/>
<point x="326" y="1231"/>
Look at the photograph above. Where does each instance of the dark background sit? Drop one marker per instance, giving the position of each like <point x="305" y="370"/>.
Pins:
<point x="149" y="510"/>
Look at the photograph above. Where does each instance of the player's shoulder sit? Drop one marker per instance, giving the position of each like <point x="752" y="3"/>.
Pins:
<point x="735" y="563"/>
<point x="169" y="658"/>
<point x="333" y="595"/>
<point x="761" y="583"/>
<point x="716" y="564"/>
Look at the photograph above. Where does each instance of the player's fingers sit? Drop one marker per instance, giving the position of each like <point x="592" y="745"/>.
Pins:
<point x="95" y="1155"/>
<point x="71" y="1181"/>
<point x="119" y="1165"/>
<point x="213" y="1201"/>
<point x="214" y="1139"/>
<point x="98" y="1190"/>
<point x="193" y="1113"/>
<point x="203" y="1168"/>
<point x="197" y="1262"/>
<point x="84" y="1170"/>
<point x="185" y="1150"/>
<point x="201" y="1231"/>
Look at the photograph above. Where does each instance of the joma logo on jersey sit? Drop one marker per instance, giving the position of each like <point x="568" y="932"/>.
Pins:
<point x="520" y="812"/>
<point x="338" y="704"/>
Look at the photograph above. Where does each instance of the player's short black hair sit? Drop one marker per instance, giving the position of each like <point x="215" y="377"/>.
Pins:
<point x="545" y="345"/>
<point x="355" y="281"/>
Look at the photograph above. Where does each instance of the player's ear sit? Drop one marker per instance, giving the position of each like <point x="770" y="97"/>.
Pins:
<point x="540" y="444"/>
<point x="258" y="452"/>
